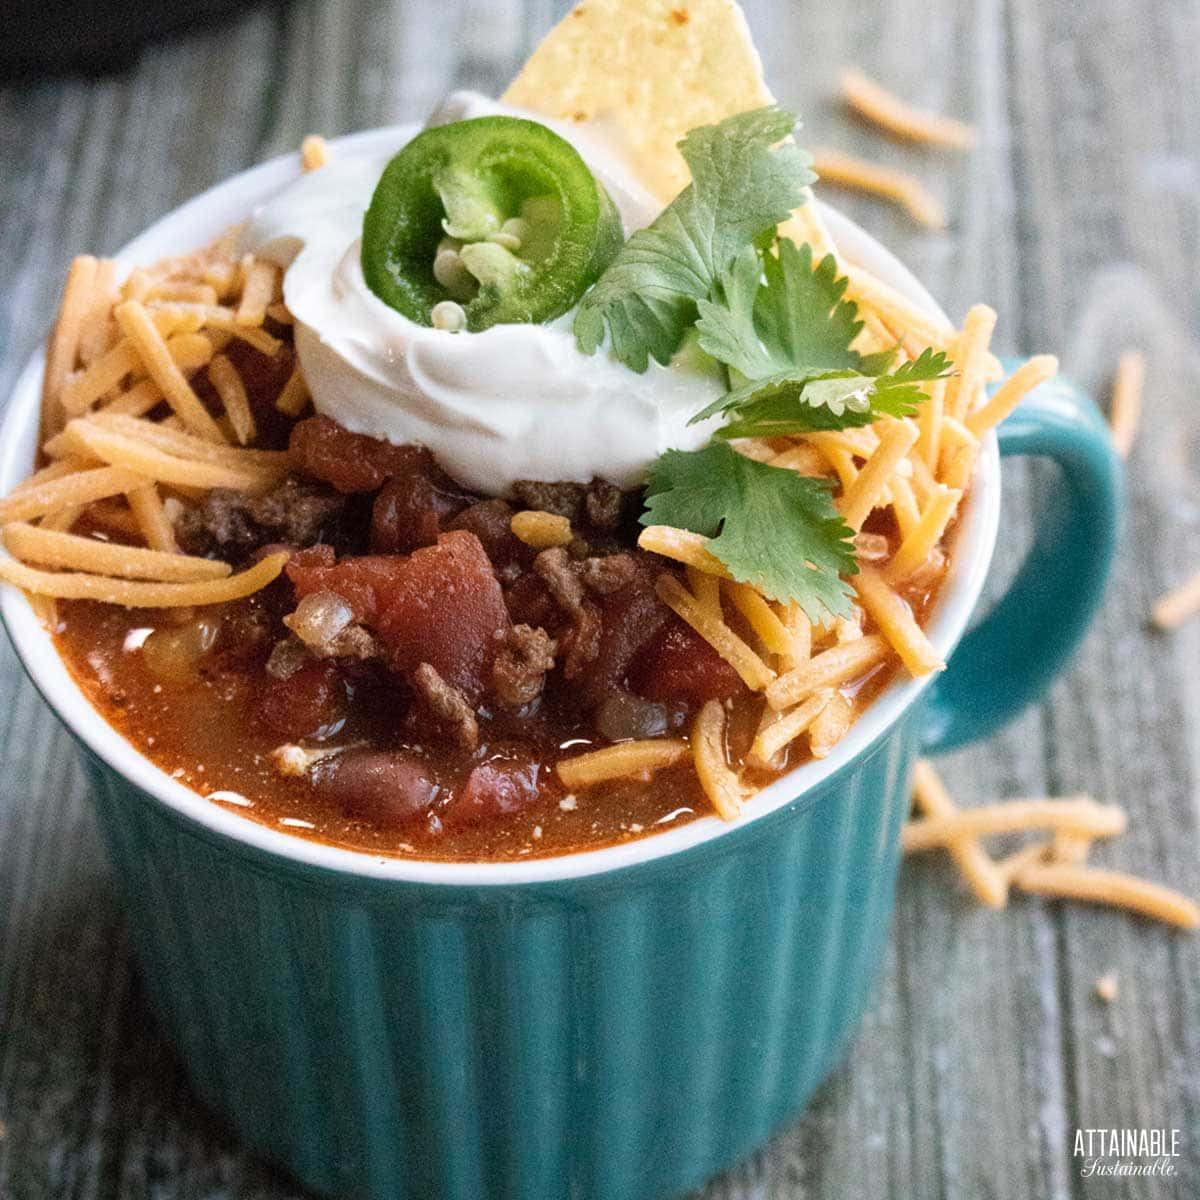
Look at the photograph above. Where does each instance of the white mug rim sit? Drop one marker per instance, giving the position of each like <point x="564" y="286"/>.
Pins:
<point x="231" y="201"/>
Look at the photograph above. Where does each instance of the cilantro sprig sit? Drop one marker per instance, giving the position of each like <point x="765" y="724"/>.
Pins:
<point x="783" y="324"/>
<point x="773" y="528"/>
<point x="795" y="402"/>
<point x="783" y="329"/>
<point x="743" y="185"/>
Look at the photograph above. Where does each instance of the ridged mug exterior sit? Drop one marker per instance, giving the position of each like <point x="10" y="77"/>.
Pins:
<point x="621" y="1036"/>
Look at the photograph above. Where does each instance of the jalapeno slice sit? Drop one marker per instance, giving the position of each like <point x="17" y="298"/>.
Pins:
<point x="496" y="214"/>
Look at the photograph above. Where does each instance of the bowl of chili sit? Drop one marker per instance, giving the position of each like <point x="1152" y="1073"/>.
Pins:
<point x="619" y="1022"/>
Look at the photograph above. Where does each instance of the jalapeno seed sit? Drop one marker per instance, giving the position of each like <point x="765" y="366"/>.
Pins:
<point x="449" y="316"/>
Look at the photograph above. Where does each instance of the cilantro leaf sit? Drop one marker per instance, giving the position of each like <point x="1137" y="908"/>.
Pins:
<point x="794" y="402"/>
<point x="929" y="365"/>
<point x="773" y="528"/>
<point x="741" y="188"/>
<point x="780" y="313"/>
<point x="726" y="328"/>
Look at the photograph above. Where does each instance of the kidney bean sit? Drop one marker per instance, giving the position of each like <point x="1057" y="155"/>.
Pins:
<point x="412" y="509"/>
<point x="310" y="703"/>
<point x="388" y="788"/>
<point x="625" y="717"/>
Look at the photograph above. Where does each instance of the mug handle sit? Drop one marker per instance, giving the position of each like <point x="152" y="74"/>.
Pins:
<point x="1008" y="659"/>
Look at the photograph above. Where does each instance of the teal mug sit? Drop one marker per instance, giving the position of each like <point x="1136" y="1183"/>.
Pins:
<point x="619" y="1024"/>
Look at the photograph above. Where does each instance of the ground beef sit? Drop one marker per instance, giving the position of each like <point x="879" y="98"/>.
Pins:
<point x="598" y="503"/>
<point x="218" y="524"/>
<point x="581" y="640"/>
<point x="631" y="617"/>
<point x="555" y="568"/>
<point x="604" y="574"/>
<point x="296" y="512"/>
<point x="232" y="525"/>
<point x="562" y="499"/>
<point x="603" y="503"/>
<point x="451" y="711"/>
<point x="519" y="671"/>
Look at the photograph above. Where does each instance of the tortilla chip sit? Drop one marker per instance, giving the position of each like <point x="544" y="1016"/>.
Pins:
<point x="655" y="68"/>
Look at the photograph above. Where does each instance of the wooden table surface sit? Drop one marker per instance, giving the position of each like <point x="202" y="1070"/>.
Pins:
<point x="1078" y="218"/>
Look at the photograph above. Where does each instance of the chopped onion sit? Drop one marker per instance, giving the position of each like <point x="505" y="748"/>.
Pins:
<point x="319" y="618"/>
<point x="173" y="654"/>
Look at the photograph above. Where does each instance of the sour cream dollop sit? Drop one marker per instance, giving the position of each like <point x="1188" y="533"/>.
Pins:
<point x="513" y="402"/>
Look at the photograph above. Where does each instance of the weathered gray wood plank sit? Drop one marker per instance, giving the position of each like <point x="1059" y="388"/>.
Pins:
<point x="1077" y="218"/>
<point x="1113" y="725"/>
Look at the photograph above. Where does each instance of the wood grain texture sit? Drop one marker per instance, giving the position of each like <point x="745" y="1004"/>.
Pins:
<point x="1077" y="218"/>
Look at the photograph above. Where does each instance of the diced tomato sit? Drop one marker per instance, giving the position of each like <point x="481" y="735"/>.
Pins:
<point x="445" y="608"/>
<point x="493" y="789"/>
<point x="441" y="604"/>
<point x="309" y="703"/>
<point x="681" y="665"/>
<point x="364" y="582"/>
<point x="352" y="462"/>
